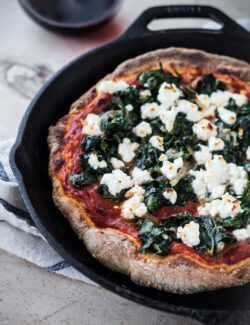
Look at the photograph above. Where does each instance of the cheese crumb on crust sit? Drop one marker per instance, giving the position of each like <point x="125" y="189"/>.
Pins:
<point x="110" y="86"/>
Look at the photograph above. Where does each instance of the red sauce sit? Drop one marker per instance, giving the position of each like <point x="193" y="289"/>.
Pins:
<point x="103" y="212"/>
<point x="167" y="211"/>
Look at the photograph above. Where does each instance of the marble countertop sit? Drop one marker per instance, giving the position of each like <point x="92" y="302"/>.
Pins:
<point x="29" y="54"/>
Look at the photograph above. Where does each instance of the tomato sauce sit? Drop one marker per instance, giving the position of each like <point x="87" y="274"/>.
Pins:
<point x="106" y="213"/>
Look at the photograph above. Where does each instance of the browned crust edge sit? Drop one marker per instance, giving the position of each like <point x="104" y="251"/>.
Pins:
<point x="118" y="251"/>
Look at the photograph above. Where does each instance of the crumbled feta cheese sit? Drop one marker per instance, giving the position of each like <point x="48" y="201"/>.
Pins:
<point x="142" y="129"/>
<point x="117" y="163"/>
<point x="116" y="181"/>
<point x="157" y="142"/>
<point x="140" y="176"/>
<point x="163" y="157"/>
<point x="168" y="117"/>
<point x="134" y="190"/>
<point x="243" y="233"/>
<point x="218" y="191"/>
<point x="218" y="173"/>
<point x="145" y="93"/>
<point x="134" y="207"/>
<point x="129" y="107"/>
<point x="220" y="98"/>
<point x="238" y="178"/>
<point x="190" y="109"/>
<point x="203" y="101"/>
<point x="170" y="169"/>
<point x="168" y="94"/>
<point x="127" y="149"/>
<point x="215" y="144"/>
<point x="170" y="195"/>
<point x="189" y="234"/>
<point x="240" y="99"/>
<point x="150" y="111"/>
<point x="226" y="115"/>
<point x="204" y="129"/>
<point x="95" y="163"/>
<point x="92" y="125"/>
<point x="203" y="155"/>
<point x="228" y="206"/>
<point x="110" y="86"/>
<point x="248" y="153"/>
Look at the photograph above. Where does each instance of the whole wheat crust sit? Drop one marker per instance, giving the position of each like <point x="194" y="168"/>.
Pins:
<point x="119" y="251"/>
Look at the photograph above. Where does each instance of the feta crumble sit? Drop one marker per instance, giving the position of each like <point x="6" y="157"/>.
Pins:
<point x="170" y="169"/>
<point x="110" y="86"/>
<point x="227" y="116"/>
<point x="129" y="107"/>
<point x="117" y="181"/>
<point x="228" y="206"/>
<point x="142" y="129"/>
<point x="117" y="163"/>
<point x="203" y="155"/>
<point x="140" y="176"/>
<point x="127" y="149"/>
<point x="95" y="163"/>
<point x="134" y="207"/>
<point x="168" y="94"/>
<point x="189" y="234"/>
<point x="205" y="129"/>
<point x="157" y="142"/>
<point x="215" y="144"/>
<point x="170" y="195"/>
<point x="242" y="234"/>
<point x="150" y="111"/>
<point x="92" y="125"/>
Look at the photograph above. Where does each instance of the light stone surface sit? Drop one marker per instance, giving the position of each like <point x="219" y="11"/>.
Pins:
<point x="28" y="294"/>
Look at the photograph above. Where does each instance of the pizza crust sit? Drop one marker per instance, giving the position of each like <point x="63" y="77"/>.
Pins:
<point x="119" y="251"/>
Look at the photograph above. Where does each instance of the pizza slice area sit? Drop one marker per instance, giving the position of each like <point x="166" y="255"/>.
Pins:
<point x="164" y="157"/>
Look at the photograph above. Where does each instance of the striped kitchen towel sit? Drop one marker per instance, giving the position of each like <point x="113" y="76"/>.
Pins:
<point x="18" y="233"/>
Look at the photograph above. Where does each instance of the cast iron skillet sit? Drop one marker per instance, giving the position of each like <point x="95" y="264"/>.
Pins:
<point x="29" y="156"/>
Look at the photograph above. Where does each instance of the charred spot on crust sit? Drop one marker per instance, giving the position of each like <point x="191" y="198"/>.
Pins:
<point x="58" y="163"/>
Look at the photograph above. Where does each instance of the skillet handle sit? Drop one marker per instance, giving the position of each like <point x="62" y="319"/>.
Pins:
<point x="229" y="26"/>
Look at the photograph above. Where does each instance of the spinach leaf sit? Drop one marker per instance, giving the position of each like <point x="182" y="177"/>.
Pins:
<point x="231" y="106"/>
<point x="81" y="179"/>
<point x="211" y="233"/>
<point x="122" y="98"/>
<point x="185" y="191"/>
<point x="154" y="198"/>
<point x="154" y="78"/>
<point x="84" y="162"/>
<point x="91" y="143"/>
<point x="177" y="220"/>
<point x="147" y="157"/>
<point x="104" y="192"/>
<point x="118" y="122"/>
<point x="154" y="238"/>
<point x="209" y="84"/>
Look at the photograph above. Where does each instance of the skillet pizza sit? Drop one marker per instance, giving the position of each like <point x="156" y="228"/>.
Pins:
<point x="151" y="169"/>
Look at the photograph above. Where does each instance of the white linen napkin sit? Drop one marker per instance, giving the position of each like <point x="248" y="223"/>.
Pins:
<point x="18" y="234"/>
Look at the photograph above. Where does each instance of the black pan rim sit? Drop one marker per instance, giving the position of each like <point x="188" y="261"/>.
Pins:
<point x="55" y="244"/>
<point x="108" y="14"/>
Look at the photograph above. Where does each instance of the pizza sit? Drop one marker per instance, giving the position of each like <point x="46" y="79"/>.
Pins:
<point x="151" y="169"/>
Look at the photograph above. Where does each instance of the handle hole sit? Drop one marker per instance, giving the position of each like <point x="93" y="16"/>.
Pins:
<point x="178" y="23"/>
